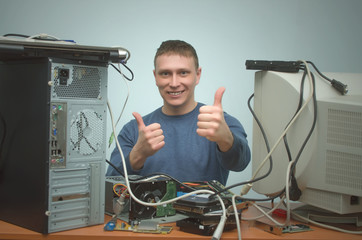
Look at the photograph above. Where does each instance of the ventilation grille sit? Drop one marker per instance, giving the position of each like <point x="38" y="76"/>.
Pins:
<point x="322" y="199"/>
<point x="344" y="128"/>
<point x="83" y="82"/>
<point x="86" y="132"/>
<point x="344" y="169"/>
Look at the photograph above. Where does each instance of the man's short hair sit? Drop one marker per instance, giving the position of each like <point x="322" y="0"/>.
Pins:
<point x="177" y="47"/>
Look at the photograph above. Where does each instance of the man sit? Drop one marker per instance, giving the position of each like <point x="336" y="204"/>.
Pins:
<point x="185" y="139"/>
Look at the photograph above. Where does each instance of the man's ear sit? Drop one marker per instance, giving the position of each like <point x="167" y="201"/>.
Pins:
<point x="198" y="75"/>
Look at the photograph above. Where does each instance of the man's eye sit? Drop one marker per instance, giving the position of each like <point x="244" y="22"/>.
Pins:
<point x="183" y="73"/>
<point x="164" y="74"/>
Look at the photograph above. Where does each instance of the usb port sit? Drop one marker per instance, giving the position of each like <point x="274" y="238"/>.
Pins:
<point x="54" y="144"/>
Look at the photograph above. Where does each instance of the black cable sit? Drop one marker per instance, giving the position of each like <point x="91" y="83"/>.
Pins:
<point x="151" y="175"/>
<point x="267" y="147"/>
<point x="285" y="141"/>
<point x="301" y="93"/>
<point x="339" y="86"/>
<point x="268" y="150"/>
<point x="262" y="200"/>
<point x="295" y="192"/>
<point x="301" y="148"/>
<point x="132" y="75"/>
<point x="312" y="127"/>
<point x="15" y="35"/>
<point x="320" y="74"/>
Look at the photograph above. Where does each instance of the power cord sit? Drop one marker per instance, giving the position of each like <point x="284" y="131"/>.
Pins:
<point x="118" y="69"/>
<point x="339" y="86"/>
<point x="111" y="138"/>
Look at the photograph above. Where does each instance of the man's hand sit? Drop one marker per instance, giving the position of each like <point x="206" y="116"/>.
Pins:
<point x="150" y="140"/>
<point x="211" y="123"/>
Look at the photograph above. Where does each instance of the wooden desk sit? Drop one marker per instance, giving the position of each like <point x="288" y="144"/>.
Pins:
<point x="10" y="231"/>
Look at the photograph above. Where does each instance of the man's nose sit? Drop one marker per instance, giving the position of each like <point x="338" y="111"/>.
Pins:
<point x="174" y="81"/>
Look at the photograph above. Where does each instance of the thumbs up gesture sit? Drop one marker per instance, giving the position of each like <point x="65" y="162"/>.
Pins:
<point x="211" y="123"/>
<point x="150" y="140"/>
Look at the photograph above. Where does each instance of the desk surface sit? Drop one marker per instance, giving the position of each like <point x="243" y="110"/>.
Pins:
<point x="10" y="231"/>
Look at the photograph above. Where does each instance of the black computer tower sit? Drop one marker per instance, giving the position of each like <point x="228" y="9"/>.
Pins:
<point x="52" y="143"/>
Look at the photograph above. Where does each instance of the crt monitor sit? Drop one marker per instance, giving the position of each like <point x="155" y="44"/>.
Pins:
<point x="329" y="170"/>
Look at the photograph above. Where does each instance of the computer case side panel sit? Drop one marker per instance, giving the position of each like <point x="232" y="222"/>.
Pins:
<point x="24" y="168"/>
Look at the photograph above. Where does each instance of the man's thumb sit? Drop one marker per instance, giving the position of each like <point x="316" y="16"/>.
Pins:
<point x="218" y="96"/>
<point x="139" y="120"/>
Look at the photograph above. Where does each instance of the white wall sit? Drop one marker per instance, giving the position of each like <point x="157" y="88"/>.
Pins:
<point x="225" y="34"/>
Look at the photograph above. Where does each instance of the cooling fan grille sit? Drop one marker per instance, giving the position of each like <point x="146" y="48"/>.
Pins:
<point x="86" y="132"/>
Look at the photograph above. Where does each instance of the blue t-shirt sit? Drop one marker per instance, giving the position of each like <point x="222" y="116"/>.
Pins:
<point x="186" y="156"/>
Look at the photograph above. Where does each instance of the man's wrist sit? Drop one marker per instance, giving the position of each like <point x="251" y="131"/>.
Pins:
<point x="226" y="143"/>
<point x="136" y="161"/>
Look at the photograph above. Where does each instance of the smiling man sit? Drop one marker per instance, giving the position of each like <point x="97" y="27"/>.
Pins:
<point x="184" y="138"/>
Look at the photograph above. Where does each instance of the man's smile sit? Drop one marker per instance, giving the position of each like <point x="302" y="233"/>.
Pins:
<point x="175" y="93"/>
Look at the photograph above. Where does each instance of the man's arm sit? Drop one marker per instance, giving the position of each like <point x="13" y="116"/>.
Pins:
<point x="150" y="140"/>
<point x="235" y="153"/>
<point x="238" y="156"/>
<point x="126" y="138"/>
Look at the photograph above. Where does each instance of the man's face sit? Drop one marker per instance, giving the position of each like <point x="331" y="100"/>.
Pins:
<point x="176" y="78"/>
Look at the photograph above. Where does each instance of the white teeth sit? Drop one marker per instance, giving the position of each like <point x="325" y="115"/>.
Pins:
<point x="175" y="93"/>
